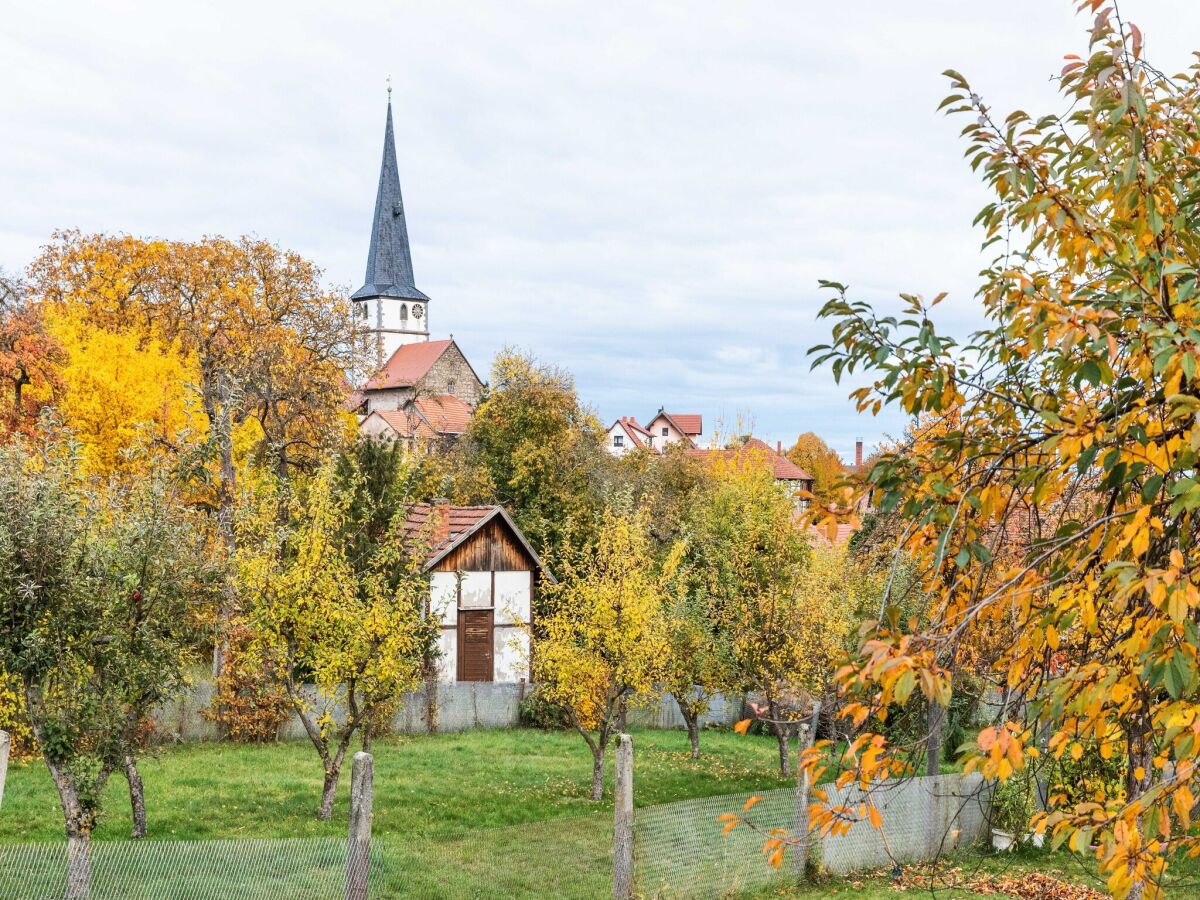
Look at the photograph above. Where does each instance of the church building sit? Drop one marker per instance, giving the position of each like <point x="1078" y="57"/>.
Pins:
<point x="411" y="373"/>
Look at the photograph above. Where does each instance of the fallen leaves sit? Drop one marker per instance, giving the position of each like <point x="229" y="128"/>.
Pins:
<point x="1019" y="886"/>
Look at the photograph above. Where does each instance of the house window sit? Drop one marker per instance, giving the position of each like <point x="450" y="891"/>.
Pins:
<point x="450" y="385"/>
<point x="618" y="440"/>
<point x="404" y="311"/>
<point x="665" y="431"/>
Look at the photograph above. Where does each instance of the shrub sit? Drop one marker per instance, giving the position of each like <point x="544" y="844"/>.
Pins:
<point x="535" y="711"/>
<point x="249" y="703"/>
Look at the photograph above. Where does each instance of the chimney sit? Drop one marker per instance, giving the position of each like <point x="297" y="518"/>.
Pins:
<point x="858" y="452"/>
<point x="779" y="447"/>
<point x="440" y="531"/>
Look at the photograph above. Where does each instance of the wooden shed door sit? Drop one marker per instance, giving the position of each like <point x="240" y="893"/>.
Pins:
<point x="475" y="645"/>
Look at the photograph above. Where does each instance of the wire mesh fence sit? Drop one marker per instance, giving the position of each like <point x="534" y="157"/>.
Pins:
<point x="569" y="858"/>
<point x="679" y="850"/>
<point x="182" y="870"/>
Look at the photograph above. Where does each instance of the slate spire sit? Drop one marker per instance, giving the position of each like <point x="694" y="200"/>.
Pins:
<point x="389" y="261"/>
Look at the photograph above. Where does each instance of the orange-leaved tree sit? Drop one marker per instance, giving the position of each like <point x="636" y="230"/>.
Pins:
<point x="1061" y="496"/>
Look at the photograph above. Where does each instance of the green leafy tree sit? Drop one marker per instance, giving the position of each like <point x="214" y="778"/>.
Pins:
<point x="105" y="591"/>
<point x="540" y="448"/>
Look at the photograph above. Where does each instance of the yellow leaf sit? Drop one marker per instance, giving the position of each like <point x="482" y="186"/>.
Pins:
<point x="751" y="802"/>
<point x="876" y="818"/>
<point x="743" y="726"/>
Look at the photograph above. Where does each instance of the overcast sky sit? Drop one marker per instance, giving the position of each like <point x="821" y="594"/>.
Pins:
<point x="643" y="193"/>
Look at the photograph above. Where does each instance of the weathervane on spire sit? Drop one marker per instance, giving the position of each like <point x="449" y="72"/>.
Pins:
<point x="389" y="87"/>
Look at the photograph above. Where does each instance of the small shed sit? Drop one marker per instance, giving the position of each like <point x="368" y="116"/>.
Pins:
<point x="484" y="576"/>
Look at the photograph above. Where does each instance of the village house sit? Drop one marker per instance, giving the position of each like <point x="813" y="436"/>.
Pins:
<point x="664" y="429"/>
<point x="484" y="577"/>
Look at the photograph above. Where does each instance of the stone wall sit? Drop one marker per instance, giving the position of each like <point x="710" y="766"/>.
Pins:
<point x="451" y="366"/>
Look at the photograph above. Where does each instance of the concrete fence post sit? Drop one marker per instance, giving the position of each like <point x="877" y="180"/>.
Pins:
<point x="358" y="847"/>
<point x="623" y="821"/>
<point x="807" y="733"/>
<point x="5" y="747"/>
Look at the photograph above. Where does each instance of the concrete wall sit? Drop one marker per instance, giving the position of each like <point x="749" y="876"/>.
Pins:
<point x="664" y="713"/>
<point x="922" y="818"/>
<point x="461" y="706"/>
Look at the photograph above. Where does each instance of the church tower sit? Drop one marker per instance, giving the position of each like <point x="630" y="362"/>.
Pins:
<point x="390" y="309"/>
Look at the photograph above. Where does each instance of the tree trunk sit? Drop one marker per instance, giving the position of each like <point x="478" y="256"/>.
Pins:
<point x="431" y="696"/>
<point x="79" y="866"/>
<point x="936" y="718"/>
<point x="329" y="790"/>
<point x="782" y="734"/>
<point x="785" y="758"/>
<point x="218" y="398"/>
<point x="598" y="772"/>
<point x="137" y="796"/>
<point x="693" y="725"/>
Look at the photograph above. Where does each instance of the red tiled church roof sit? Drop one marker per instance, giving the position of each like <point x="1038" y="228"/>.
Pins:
<point x="408" y="365"/>
<point x="445" y="413"/>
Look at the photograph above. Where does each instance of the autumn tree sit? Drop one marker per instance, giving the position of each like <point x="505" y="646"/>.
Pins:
<point x="103" y="588"/>
<point x="698" y="663"/>
<point x="272" y="345"/>
<point x="128" y="398"/>
<point x="601" y="647"/>
<point x="29" y="358"/>
<point x="816" y="457"/>
<point x="339" y="620"/>
<point x="1072" y="422"/>
<point x="750" y="564"/>
<point x="540" y="447"/>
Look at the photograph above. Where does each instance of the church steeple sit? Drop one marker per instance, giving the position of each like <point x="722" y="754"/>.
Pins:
<point x="389" y="301"/>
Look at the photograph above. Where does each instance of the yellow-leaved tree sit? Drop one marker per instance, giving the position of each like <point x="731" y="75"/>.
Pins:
<point x="120" y="390"/>
<point x="602" y="645"/>
<point x="345" y="637"/>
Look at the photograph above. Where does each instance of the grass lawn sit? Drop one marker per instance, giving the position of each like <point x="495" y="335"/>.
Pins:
<point x="476" y="814"/>
<point x="433" y="786"/>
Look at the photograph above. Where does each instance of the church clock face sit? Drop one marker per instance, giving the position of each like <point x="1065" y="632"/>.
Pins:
<point x="418" y="311"/>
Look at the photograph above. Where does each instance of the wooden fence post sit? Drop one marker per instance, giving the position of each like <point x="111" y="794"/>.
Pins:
<point x="5" y="747"/>
<point x="623" y="821"/>
<point x="358" y="847"/>
<point x="804" y="740"/>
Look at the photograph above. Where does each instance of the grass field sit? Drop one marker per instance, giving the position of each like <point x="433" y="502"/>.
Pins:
<point x="439" y="785"/>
